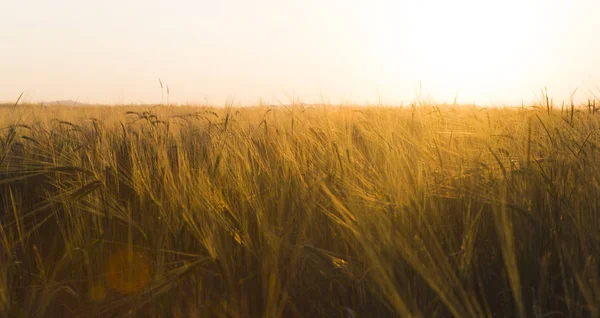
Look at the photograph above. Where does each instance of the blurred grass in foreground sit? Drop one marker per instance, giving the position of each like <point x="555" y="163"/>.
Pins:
<point x="299" y="212"/>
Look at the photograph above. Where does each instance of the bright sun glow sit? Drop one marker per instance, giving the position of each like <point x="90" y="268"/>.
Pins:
<point x="471" y="49"/>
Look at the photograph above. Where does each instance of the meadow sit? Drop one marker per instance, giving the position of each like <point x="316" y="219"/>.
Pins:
<point x="299" y="211"/>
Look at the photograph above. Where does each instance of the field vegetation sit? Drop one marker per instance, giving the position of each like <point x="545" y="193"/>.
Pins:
<point x="299" y="211"/>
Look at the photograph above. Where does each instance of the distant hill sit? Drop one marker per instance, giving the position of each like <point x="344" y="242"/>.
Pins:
<point x="64" y="103"/>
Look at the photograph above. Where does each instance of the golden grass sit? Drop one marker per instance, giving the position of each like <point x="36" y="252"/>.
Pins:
<point x="299" y="211"/>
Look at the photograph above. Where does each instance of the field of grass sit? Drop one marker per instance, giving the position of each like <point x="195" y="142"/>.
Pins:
<point x="299" y="212"/>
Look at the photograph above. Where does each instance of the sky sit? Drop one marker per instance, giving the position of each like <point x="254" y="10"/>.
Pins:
<point x="333" y="51"/>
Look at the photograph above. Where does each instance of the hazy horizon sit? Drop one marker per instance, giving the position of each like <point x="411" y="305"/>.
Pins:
<point x="114" y="52"/>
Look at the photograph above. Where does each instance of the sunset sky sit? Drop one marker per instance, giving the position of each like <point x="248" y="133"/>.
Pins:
<point x="481" y="51"/>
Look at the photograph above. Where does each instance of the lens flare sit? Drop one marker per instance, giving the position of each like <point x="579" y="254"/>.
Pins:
<point x="128" y="271"/>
